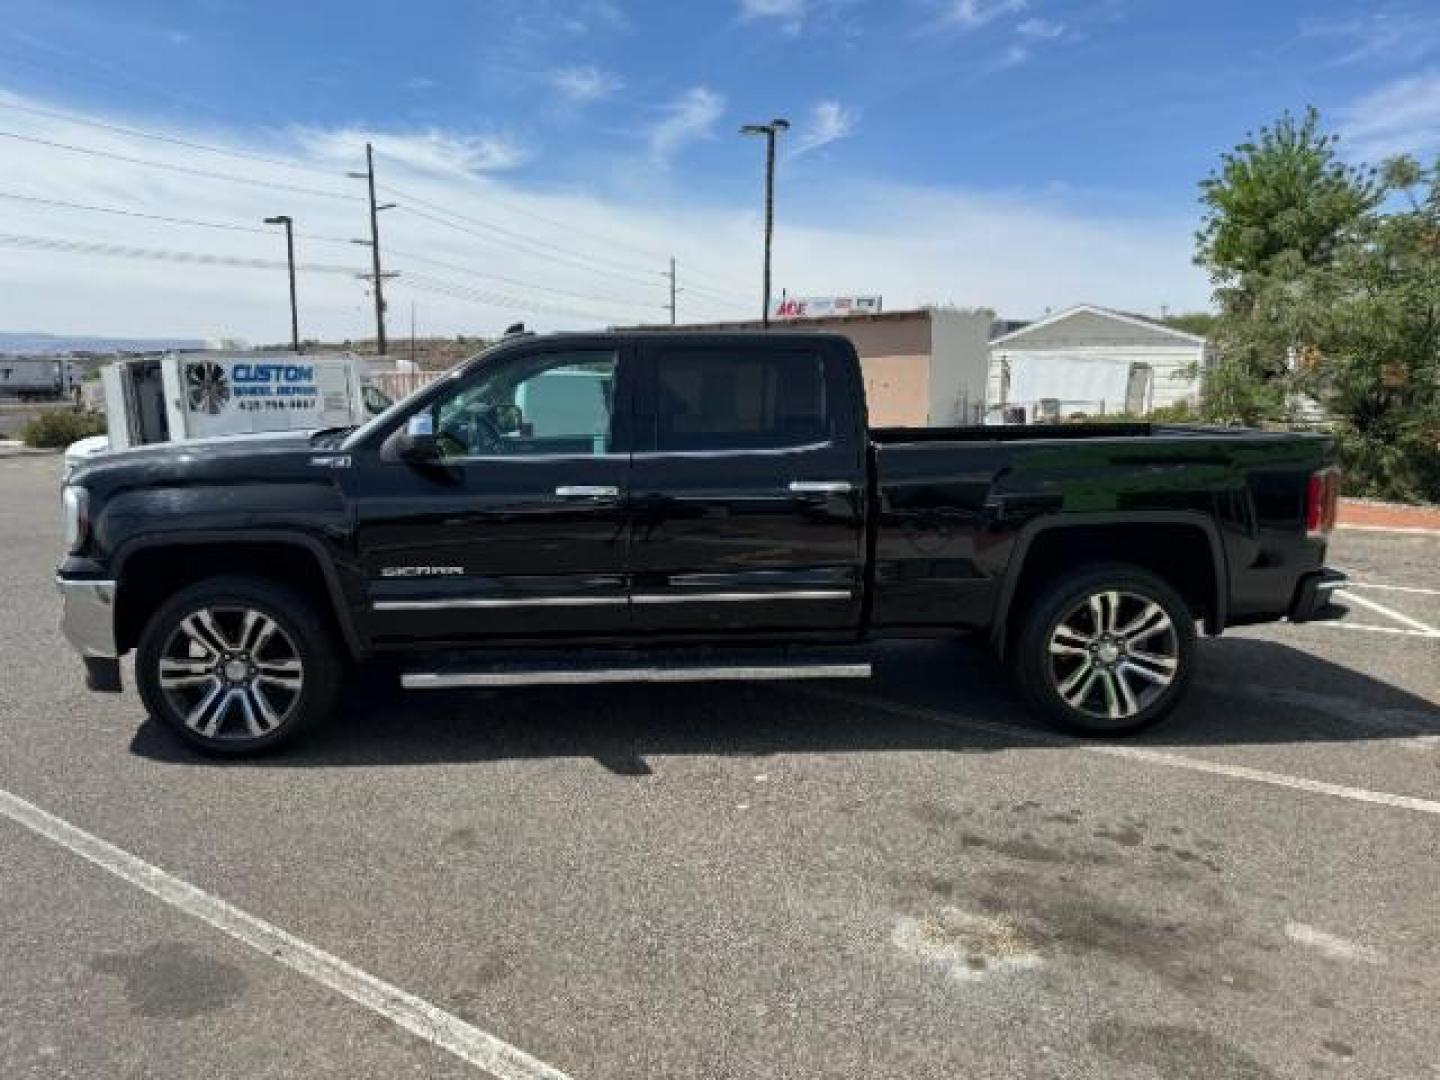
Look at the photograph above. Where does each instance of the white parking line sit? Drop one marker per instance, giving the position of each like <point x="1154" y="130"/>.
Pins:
<point x="1391" y="613"/>
<point x="1406" y="530"/>
<point x="1346" y="624"/>
<point x="414" y="1014"/>
<point x="1133" y="753"/>
<point x="1392" y="588"/>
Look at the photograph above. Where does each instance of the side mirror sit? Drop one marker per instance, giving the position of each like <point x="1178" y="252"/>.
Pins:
<point x="414" y="448"/>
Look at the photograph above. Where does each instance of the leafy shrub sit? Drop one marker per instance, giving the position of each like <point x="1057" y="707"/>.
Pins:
<point x="1402" y="466"/>
<point x="60" y="427"/>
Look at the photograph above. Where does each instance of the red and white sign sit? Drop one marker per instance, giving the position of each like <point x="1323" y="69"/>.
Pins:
<point x="825" y="307"/>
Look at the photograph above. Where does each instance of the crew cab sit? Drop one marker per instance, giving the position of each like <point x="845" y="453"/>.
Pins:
<point x="677" y="506"/>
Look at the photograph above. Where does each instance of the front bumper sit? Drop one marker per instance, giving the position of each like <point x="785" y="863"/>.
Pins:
<point x="1314" y="593"/>
<point x="88" y="622"/>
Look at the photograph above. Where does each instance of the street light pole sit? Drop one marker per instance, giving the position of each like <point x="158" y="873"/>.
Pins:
<point x="770" y="130"/>
<point x="284" y="219"/>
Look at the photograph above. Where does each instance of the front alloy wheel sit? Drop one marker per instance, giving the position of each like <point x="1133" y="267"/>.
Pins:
<point x="237" y="665"/>
<point x="231" y="673"/>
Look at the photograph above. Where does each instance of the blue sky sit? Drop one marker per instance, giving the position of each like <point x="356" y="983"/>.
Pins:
<point x="1020" y="154"/>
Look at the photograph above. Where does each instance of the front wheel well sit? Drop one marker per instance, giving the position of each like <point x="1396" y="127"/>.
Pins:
<point x="153" y="574"/>
<point x="1180" y="554"/>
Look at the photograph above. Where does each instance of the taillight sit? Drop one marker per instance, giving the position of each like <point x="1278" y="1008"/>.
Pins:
<point x="1322" y="499"/>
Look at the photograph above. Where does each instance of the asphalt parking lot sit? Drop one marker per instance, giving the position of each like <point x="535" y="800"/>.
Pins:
<point x="900" y="878"/>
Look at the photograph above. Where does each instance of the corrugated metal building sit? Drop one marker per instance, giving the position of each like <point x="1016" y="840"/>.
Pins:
<point x="1096" y="361"/>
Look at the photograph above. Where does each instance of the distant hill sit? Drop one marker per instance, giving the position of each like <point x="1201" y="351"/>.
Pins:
<point x="43" y="344"/>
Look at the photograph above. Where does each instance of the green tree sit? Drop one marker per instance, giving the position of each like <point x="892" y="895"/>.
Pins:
<point x="1327" y="283"/>
<point x="1278" y="208"/>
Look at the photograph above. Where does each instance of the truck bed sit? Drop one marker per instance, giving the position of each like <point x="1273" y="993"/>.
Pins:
<point x="1042" y="432"/>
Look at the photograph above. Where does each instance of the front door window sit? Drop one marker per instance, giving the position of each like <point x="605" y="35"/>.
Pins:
<point x="559" y="403"/>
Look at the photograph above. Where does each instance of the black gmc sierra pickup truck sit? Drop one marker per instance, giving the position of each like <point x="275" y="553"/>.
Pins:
<point x="677" y="506"/>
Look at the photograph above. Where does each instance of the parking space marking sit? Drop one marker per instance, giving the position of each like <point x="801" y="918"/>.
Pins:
<point x="406" y="1010"/>
<point x="1392" y="588"/>
<point x="1391" y="613"/>
<point x="1346" y="624"/>
<point x="1134" y="753"/>
<point x="1404" y="530"/>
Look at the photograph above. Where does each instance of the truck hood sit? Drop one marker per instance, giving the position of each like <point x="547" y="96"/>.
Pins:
<point x="229" y="459"/>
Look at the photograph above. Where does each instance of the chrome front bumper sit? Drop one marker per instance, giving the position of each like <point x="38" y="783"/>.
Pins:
<point x="88" y="620"/>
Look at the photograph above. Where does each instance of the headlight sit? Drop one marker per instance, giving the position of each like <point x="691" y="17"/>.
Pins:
<point x="76" y="504"/>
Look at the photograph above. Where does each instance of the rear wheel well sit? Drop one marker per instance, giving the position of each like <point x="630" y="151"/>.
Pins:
<point x="1179" y="554"/>
<point x="152" y="575"/>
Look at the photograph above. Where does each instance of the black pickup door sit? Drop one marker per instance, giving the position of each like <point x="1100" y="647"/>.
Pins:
<point x="747" y="488"/>
<point x="520" y="530"/>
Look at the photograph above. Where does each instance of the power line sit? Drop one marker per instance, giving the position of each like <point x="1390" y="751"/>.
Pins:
<point x="434" y="212"/>
<point x="651" y="278"/>
<point x="499" y="300"/>
<point x="302" y="167"/>
<point x="569" y="227"/>
<point x="169" y="139"/>
<point x="229" y="227"/>
<point x="526" y="247"/>
<point x="277" y="185"/>
<point x="126" y="251"/>
<point x="469" y="271"/>
<point x="556" y="222"/>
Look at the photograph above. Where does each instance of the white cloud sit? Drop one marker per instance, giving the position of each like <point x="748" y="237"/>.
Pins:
<point x="689" y="119"/>
<point x="789" y="13"/>
<point x="419" y="83"/>
<point x="829" y="122"/>
<point x="1393" y="36"/>
<point x="583" y="84"/>
<point x="1402" y="117"/>
<point x="1042" y="29"/>
<point x="429" y="149"/>
<point x="973" y="14"/>
<point x="1016" y="253"/>
<point x="1013" y="56"/>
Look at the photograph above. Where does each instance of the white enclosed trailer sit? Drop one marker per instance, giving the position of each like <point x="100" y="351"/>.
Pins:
<point x="185" y="397"/>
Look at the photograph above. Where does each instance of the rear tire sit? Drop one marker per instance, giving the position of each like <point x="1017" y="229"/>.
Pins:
<point x="237" y="666"/>
<point x="1106" y="650"/>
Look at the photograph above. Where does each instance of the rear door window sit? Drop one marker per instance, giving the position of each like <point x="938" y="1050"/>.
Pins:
<point x="738" y="399"/>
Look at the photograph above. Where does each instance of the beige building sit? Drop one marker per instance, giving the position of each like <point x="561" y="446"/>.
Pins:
<point x="923" y="368"/>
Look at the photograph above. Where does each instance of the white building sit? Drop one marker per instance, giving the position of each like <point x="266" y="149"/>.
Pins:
<point x="1094" y="361"/>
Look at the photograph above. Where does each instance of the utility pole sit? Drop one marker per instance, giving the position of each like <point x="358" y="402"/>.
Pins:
<point x="375" y="276"/>
<point x="284" y="219"/>
<point x="672" y="290"/>
<point x="770" y="130"/>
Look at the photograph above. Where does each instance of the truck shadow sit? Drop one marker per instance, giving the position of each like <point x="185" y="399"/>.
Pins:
<point x="925" y="697"/>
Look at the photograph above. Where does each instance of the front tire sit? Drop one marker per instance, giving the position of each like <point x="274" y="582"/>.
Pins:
<point x="237" y="666"/>
<point x="1108" y="650"/>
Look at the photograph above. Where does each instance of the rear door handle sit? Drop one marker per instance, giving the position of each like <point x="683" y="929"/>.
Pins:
<point x="587" y="491"/>
<point x="821" y="487"/>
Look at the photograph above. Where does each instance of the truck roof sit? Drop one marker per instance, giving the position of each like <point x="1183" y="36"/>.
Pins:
<point x="665" y="333"/>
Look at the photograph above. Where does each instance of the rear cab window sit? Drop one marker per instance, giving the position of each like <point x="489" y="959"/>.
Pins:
<point x="717" y="398"/>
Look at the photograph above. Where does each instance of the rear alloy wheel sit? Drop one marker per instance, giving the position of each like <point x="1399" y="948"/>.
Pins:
<point x="1108" y="651"/>
<point x="236" y="665"/>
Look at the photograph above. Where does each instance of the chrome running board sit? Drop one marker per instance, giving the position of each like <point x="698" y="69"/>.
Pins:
<point x="581" y="674"/>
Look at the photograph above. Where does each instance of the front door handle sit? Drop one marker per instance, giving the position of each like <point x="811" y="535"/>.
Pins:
<point x="587" y="491"/>
<point x="821" y="487"/>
